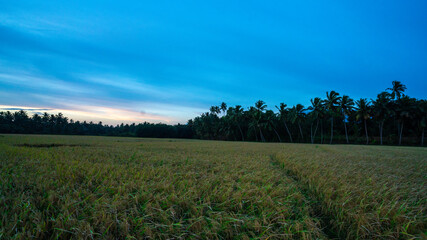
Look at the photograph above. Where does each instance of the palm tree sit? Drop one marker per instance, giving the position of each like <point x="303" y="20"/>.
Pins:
<point x="331" y="103"/>
<point x="297" y="115"/>
<point x="270" y="118"/>
<point x="283" y="112"/>
<point x="215" y="110"/>
<point x="260" y="107"/>
<point x="322" y="117"/>
<point x="397" y="89"/>
<point x="346" y="105"/>
<point x="236" y="115"/>
<point x="381" y="109"/>
<point x="251" y="115"/>
<point x="422" y="118"/>
<point x="405" y="107"/>
<point x="316" y="109"/>
<point x="363" y="112"/>
<point x="223" y="107"/>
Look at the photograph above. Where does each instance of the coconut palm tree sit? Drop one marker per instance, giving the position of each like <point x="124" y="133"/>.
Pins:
<point x="331" y="103"/>
<point x="363" y="112"/>
<point x="283" y="113"/>
<point x="312" y="118"/>
<point x="382" y="111"/>
<point x="316" y="113"/>
<point x="223" y="107"/>
<point x="270" y="119"/>
<point x="250" y="115"/>
<point x="235" y="115"/>
<point x="405" y="107"/>
<point x="322" y="116"/>
<point x="215" y="110"/>
<point x="346" y="105"/>
<point x="260" y="107"/>
<point x="397" y="89"/>
<point x="297" y="115"/>
<point x="422" y="118"/>
<point x="238" y="114"/>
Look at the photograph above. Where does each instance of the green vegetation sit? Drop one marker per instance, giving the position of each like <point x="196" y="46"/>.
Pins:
<point x="61" y="187"/>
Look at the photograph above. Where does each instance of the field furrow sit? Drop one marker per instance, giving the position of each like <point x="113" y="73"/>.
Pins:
<point x="367" y="192"/>
<point x="316" y="209"/>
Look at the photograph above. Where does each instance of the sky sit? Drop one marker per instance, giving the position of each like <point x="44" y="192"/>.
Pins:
<point x="169" y="61"/>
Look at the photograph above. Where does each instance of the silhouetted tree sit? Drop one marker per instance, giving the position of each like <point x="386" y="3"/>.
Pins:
<point x="382" y="111"/>
<point x="346" y="105"/>
<point x="283" y="115"/>
<point x="363" y="113"/>
<point x="331" y="104"/>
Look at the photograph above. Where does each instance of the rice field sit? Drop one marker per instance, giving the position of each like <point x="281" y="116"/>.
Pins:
<point x="75" y="187"/>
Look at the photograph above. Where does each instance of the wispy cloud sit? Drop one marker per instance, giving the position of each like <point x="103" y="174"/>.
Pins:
<point x="30" y="80"/>
<point x="95" y="113"/>
<point x="128" y="84"/>
<point x="25" y="109"/>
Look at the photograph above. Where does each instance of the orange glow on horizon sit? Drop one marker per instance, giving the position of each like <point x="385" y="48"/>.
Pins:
<point x="95" y="113"/>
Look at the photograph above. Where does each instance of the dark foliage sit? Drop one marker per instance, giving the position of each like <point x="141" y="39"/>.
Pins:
<point x="20" y="122"/>
<point x="391" y="118"/>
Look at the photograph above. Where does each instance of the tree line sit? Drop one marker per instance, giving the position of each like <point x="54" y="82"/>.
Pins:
<point x="391" y="118"/>
<point x="20" y="122"/>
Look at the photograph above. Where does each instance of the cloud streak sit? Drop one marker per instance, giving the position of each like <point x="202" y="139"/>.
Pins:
<point x="95" y="113"/>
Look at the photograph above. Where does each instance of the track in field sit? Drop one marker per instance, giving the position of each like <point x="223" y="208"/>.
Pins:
<point x="317" y="211"/>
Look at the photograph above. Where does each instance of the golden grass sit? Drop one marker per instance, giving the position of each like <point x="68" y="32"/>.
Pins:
<point x="61" y="187"/>
<point x="145" y="188"/>
<point x="370" y="192"/>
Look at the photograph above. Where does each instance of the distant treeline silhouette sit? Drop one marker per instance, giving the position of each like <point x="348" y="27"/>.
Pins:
<point x="20" y="122"/>
<point x="392" y="118"/>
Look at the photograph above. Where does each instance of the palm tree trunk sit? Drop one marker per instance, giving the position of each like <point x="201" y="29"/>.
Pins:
<point x="345" y="128"/>
<point x="287" y="130"/>
<point x="422" y="138"/>
<point x="398" y="128"/>
<point x="256" y="135"/>
<point x="332" y="129"/>
<point x="366" y="132"/>
<point x="315" y="130"/>
<point x="300" y="130"/>
<point x="321" y="132"/>
<point x="261" y="135"/>
<point x="401" y="133"/>
<point x="311" y="133"/>
<point x="277" y="134"/>
<point x="241" y="132"/>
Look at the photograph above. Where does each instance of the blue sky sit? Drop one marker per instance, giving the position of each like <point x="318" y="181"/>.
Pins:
<point x="168" y="61"/>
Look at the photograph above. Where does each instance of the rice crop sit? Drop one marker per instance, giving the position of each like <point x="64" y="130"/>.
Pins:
<point x="74" y="187"/>
<point x="147" y="188"/>
<point x="368" y="192"/>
